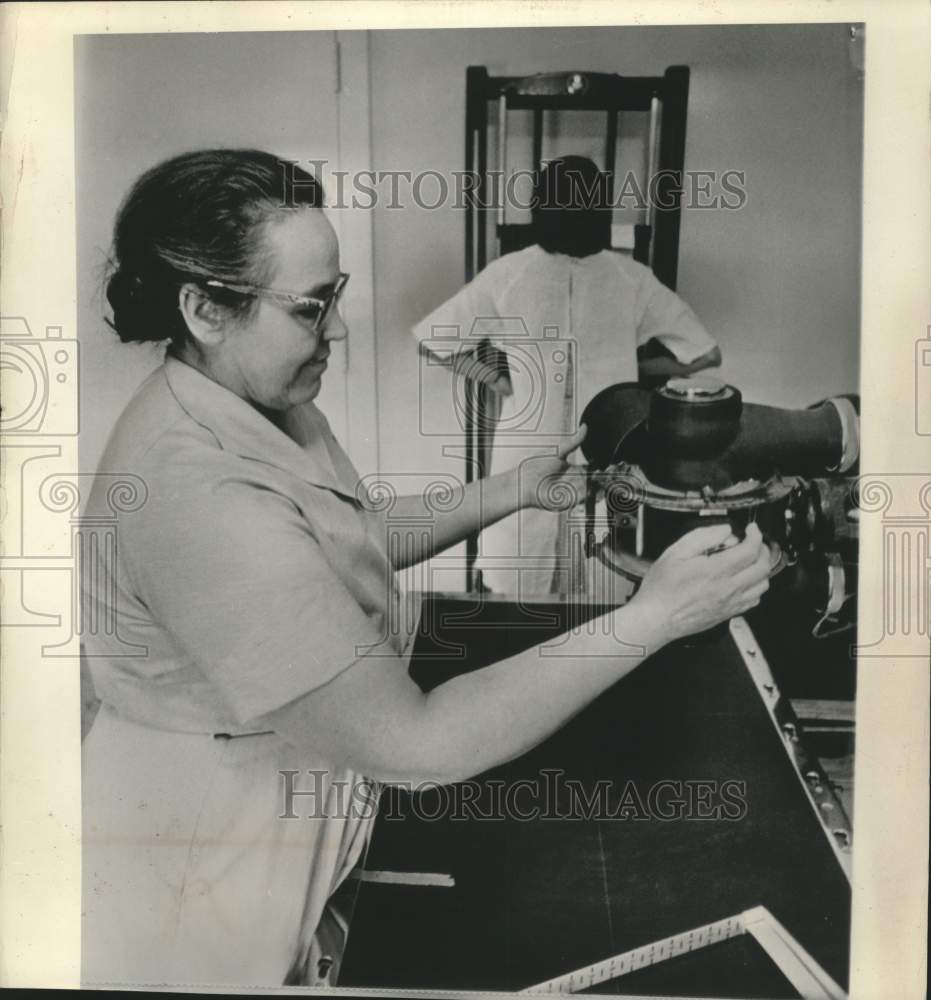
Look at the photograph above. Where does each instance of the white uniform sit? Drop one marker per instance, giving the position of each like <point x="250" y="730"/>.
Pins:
<point x="248" y="577"/>
<point x="570" y="326"/>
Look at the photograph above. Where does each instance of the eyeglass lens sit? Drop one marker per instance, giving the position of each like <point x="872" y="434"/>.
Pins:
<point x="330" y="303"/>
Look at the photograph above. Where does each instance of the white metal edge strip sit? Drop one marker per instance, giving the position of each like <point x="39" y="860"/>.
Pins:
<point x="758" y="668"/>
<point x="802" y="971"/>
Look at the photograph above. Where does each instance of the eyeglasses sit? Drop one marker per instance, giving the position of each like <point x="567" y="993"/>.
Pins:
<point x="314" y="309"/>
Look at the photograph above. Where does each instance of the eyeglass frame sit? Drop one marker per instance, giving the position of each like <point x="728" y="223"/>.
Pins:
<point x="325" y="306"/>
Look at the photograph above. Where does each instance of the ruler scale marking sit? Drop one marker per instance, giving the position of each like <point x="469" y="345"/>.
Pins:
<point x="795" y="963"/>
<point x="642" y="957"/>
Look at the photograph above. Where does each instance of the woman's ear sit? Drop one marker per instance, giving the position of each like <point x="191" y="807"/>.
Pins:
<point x="204" y="318"/>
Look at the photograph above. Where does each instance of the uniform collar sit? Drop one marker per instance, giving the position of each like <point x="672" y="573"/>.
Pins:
<point x="306" y="448"/>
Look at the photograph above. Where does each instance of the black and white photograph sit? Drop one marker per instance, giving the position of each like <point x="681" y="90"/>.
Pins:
<point x="457" y="498"/>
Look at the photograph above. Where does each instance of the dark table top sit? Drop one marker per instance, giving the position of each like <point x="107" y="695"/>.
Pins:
<point x="539" y="897"/>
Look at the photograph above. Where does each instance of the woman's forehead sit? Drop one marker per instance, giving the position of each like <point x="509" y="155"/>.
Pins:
<point x="304" y="249"/>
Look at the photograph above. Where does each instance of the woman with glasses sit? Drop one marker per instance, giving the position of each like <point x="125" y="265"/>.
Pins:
<point x="252" y="691"/>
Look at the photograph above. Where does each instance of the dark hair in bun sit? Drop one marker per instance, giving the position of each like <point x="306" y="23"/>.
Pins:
<point x="196" y="216"/>
<point x="571" y="207"/>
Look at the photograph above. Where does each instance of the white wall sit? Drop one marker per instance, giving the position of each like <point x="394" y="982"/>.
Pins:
<point x="142" y="98"/>
<point x="776" y="282"/>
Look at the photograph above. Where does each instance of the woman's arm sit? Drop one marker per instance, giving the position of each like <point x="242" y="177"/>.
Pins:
<point x="373" y="718"/>
<point x="546" y="481"/>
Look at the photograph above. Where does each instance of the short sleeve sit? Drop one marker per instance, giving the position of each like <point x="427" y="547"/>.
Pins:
<point x="665" y="317"/>
<point x="469" y="316"/>
<point x="232" y="571"/>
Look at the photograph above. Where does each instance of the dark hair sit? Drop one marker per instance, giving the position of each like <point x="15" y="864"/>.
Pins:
<point x="196" y="216"/>
<point x="571" y="207"/>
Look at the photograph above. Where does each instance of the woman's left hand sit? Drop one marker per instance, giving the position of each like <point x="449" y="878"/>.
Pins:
<point x="550" y="482"/>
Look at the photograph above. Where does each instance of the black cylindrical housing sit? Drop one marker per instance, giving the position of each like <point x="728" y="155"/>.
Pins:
<point x="691" y="423"/>
<point x="694" y="434"/>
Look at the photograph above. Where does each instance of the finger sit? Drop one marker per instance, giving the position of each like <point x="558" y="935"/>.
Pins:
<point x="567" y="447"/>
<point x="753" y="575"/>
<point x="744" y="554"/>
<point x="763" y="565"/>
<point x="760" y="589"/>
<point x="699" y="540"/>
<point x="746" y="606"/>
<point x="751" y="598"/>
<point x="754" y="589"/>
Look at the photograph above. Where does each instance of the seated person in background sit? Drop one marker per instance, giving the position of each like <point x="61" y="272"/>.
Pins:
<point x="569" y="314"/>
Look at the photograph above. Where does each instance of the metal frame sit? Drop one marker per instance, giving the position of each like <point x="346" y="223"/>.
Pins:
<point x="656" y="243"/>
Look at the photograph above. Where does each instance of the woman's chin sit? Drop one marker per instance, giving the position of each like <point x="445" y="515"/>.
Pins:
<point x="306" y="388"/>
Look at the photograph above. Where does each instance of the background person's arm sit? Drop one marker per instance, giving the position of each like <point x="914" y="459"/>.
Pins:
<point x="671" y="339"/>
<point x="663" y="362"/>
<point x="451" y="334"/>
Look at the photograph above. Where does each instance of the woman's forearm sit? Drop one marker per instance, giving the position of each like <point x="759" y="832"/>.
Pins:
<point x="373" y="719"/>
<point x="472" y="507"/>
<point x="490" y="716"/>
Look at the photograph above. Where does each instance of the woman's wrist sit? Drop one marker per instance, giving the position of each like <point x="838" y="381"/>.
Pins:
<point x="624" y="636"/>
<point x="639" y="623"/>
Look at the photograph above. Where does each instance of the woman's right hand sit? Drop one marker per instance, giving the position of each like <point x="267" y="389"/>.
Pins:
<point x="688" y="590"/>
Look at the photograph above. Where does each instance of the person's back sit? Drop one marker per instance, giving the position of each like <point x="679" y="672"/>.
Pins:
<point x="569" y="313"/>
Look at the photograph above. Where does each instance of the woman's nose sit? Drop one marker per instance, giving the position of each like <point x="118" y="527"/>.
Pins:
<point x="335" y="328"/>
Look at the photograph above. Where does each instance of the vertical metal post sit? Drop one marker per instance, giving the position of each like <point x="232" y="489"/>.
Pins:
<point x="675" y="91"/>
<point x="502" y="163"/>
<point x="476" y="162"/>
<point x="537" y="138"/>
<point x="611" y="151"/>
<point x="651" y="170"/>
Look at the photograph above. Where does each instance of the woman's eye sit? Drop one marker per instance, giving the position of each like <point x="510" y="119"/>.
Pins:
<point x="308" y="312"/>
